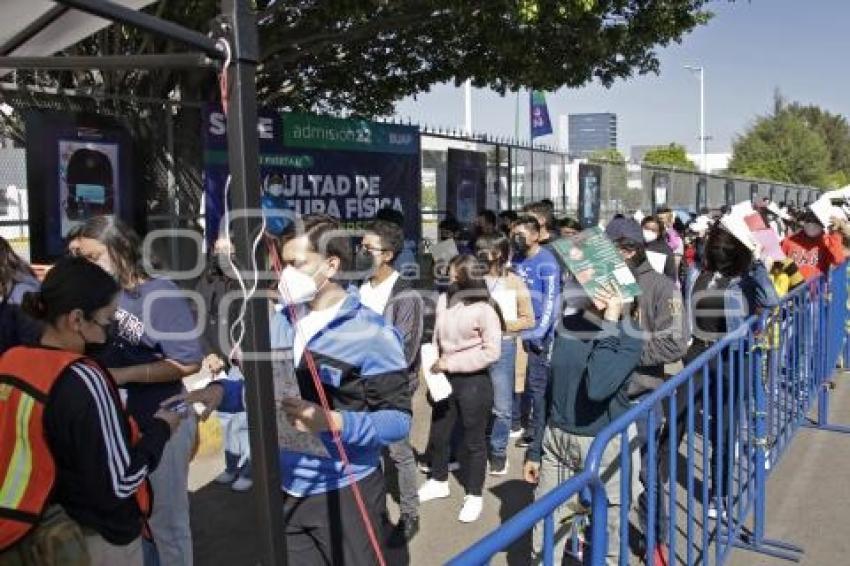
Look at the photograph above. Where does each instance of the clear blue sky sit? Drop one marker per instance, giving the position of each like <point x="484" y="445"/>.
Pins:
<point x="748" y="49"/>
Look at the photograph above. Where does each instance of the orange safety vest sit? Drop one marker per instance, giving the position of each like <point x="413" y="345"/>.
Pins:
<point x="27" y="469"/>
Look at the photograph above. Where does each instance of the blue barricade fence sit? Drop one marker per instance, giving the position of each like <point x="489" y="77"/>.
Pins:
<point x="707" y="440"/>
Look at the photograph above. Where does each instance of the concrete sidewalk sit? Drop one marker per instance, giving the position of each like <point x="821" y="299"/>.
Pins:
<point x="807" y="494"/>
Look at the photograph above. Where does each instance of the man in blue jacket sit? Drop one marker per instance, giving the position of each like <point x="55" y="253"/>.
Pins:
<point x="541" y="273"/>
<point x="360" y="364"/>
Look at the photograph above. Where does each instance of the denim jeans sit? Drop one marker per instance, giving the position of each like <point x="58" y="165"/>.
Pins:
<point x="502" y="376"/>
<point x="533" y="399"/>
<point x="169" y="521"/>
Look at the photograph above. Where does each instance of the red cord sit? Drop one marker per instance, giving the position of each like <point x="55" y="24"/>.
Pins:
<point x="223" y="87"/>
<point x="317" y="383"/>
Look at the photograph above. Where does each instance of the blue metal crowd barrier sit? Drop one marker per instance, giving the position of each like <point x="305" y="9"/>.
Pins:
<point x="736" y="406"/>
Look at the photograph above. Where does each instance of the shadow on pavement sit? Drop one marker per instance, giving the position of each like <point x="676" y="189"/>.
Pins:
<point x="514" y="496"/>
<point x="224" y="526"/>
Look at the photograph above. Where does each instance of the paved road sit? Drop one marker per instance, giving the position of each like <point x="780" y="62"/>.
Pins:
<point x="807" y="504"/>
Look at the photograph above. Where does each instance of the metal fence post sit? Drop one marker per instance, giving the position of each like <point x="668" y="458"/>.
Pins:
<point x="755" y="541"/>
<point x="598" y="522"/>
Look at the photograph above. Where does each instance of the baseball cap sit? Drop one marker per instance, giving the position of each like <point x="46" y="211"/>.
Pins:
<point x="624" y="229"/>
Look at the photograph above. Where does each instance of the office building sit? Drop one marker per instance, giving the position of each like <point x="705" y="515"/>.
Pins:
<point x="592" y="132"/>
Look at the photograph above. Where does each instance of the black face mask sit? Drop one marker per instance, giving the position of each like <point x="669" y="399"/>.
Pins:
<point x="96" y="349"/>
<point x="520" y="245"/>
<point x="364" y="262"/>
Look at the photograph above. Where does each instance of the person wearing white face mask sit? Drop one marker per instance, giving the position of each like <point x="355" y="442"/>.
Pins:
<point x="658" y="253"/>
<point x="359" y="361"/>
<point x="812" y="249"/>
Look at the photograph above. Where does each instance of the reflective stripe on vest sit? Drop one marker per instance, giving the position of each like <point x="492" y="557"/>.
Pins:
<point x="20" y="465"/>
<point x="27" y="469"/>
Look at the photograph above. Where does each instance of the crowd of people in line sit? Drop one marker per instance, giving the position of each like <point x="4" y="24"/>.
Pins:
<point x="94" y="358"/>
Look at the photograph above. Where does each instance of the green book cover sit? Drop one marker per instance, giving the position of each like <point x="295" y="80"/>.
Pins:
<point x="594" y="261"/>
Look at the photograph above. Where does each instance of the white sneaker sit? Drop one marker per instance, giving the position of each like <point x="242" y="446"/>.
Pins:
<point x="516" y="433"/>
<point x="472" y="506"/>
<point x="433" y="489"/>
<point x="225" y="477"/>
<point x="242" y="484"/>
<point x="714" y="515"/>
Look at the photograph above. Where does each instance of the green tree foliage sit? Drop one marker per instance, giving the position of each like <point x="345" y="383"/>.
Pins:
<point x="792" y="145"/>
<point x="363" y="56"/>
<point x="835" y="131"/>
<point x="607" y="155"/>
<point x="673" y="155"/>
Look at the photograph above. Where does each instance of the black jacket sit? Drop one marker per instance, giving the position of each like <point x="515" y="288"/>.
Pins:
<point x="98" y="470"/>
<point x="405" y="312"/>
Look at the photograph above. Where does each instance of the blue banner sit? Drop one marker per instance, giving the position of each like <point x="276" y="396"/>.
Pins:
<point x="539" y="117"/>
<point x="349" y="169"/>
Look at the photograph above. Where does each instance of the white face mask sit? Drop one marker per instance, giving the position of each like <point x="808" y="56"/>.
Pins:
<point x="275" y="190"/>
<point x="812" y="230"/>
<point x="295" y="287"/>
<point x="650" y="236"/>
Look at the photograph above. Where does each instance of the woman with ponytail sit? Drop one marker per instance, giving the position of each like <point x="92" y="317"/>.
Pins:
<point x="154" y="348"/>
<point x="88" y="465"/>
<point x="468" y="336"/>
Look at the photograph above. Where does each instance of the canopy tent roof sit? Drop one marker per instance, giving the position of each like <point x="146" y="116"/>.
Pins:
<point x="43" y="27"/>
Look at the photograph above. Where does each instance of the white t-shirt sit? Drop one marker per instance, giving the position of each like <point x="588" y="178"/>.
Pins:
<point x="505" y="297"/>
<point x="309" y="324"/>
<point x="376" y="298"/>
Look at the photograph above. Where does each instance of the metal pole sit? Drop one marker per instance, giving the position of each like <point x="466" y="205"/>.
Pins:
<point x="173" y="203"/>
<point x="467" y="91"/>
<point x="761" y="369"/>
<point x="702" y="117"/>
<point x="243" y="146"/>
<point x="167" y="61"/>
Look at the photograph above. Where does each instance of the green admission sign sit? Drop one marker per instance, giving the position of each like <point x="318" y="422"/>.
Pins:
<point x="309" y="131"/>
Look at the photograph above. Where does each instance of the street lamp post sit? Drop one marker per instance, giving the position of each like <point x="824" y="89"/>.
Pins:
<point x="702" y="138"/>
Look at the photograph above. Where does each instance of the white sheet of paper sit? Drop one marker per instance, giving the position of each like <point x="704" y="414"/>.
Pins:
<point x="823" y="210"/>
<point x="734" y="223"/>
<point x="657" y="260"/>
<point x="438" y="384"/>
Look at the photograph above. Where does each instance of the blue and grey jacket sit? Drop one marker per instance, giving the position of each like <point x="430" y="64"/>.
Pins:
<point x="361" y="364"/>
<point x="743" y="297"/>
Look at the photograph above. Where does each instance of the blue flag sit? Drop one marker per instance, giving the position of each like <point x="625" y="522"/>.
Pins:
<point x="540" y="123"/>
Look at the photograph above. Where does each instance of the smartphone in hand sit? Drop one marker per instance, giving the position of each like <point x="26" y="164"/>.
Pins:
<point x="179" y="406"/>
